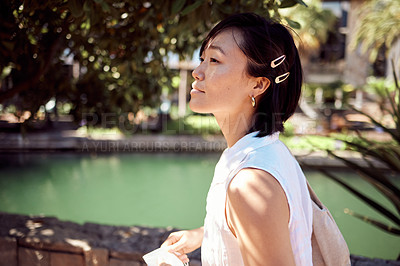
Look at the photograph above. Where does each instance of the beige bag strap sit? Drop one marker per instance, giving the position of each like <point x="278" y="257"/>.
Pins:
<point x="328" y="245"/>
<point x="314" y="196"/>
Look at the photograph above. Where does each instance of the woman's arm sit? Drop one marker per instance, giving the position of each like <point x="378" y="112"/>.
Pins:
<point x="258" y="215"/>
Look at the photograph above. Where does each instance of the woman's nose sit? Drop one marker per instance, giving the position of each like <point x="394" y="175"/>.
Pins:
<point x="198" y="74"/>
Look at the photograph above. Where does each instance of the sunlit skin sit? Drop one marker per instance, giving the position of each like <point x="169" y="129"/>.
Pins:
<point x="257" y="211"/>
<point x="258" y="215"/>
<point x="222" y="86"/>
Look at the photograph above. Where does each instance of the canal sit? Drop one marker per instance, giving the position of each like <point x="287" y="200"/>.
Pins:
<point x="158" y="190"/>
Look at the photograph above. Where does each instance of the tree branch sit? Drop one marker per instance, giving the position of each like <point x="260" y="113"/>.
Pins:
<point x="28" y="83"/>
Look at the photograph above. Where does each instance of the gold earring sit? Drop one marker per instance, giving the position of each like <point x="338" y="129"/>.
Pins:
<point x="253" y="101"/>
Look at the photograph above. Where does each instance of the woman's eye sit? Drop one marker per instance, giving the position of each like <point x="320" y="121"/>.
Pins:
<point x="201" y="59"/>
<point x="213" y="60"/>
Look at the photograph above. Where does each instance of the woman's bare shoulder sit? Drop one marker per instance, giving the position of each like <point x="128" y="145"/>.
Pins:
<point x="258" y="215"/>
<point x="256" y="192"/>
<point x="254" y="180"/>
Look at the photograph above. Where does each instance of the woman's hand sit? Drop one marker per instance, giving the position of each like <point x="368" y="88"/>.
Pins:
<point x="182" y="242"/>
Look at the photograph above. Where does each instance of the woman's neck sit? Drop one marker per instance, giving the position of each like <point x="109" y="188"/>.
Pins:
<point x="234" y="126"/>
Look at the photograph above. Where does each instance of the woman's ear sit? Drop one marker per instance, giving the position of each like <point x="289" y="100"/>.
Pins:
<point x="262" y="84"/>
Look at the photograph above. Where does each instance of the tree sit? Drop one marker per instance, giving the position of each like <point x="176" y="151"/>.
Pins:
<point x="121" y="47"/>
<point x="314" y="25"/>
<point x="378" y="28"/>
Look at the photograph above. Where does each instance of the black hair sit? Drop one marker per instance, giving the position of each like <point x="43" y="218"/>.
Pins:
<point x="264" y="40"/>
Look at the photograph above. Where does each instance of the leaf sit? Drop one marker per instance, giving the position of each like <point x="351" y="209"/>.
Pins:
<point x="76" y="7"/>
<point x="384" y="227"/>
<point x="375" y="179"/>
<point x="387" y="154"/>
<point x="392" y="157"/>
<point x="397" y="138"/>
<point x="383" y="210"/>
<point x="394" y="111"/>
<point x="301" y="3"/>
<point x="394" y="75"/>
<point x="371" y="175"/>
<point x="191" y="8"/>
<point x="177" y="6"/>
<point x="292" y="23"/>
<point x="287" y="3"/>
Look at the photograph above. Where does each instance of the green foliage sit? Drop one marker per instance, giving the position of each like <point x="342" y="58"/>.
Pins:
<point x="121" y="48"/>
<point x="380" y="87"/>
<point x="193" y="125"/>
<point x="289" y="129"/>
<point x="312" y="143"/>
<point x="101" y="133"/>
<point x="378" y="26"/>
<point x="313" y="23"/>
<point x="328" y="89"/>
<point x="290" y="3"/>
<point x="377" y="155"/>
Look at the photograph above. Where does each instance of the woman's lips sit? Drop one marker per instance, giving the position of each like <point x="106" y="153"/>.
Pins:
<point x="196" y="90"/>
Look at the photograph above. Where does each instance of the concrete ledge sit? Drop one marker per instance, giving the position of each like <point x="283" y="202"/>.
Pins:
<point x="26" y="241"/>
<point x="13" y="142"/>
<point x="63" y="142"/>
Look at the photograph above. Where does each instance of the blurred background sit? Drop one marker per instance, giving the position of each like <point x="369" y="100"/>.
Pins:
<point x="95" y="124"/>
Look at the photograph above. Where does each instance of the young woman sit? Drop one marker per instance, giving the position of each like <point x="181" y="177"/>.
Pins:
<point x="258" y="206"/>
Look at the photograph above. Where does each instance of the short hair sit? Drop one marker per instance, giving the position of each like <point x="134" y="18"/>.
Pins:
<point x="264" y="40"/>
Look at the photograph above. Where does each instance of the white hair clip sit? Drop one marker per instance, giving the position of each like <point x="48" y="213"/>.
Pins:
<point x="276" y="62"/>
<point x="282" y="77"/>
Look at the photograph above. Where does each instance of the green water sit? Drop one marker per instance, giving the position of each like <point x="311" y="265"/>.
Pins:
<point x="157" y="190"/>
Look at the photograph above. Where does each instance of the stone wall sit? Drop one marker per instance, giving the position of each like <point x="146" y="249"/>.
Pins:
<point x="28" y="241"/>
<point x="47" y="241"/>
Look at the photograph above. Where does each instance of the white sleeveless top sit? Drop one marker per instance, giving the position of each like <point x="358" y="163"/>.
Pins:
<point x="220" y="246"/>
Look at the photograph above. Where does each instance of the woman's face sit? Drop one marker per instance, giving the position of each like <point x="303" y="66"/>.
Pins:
<point x="221" y="83"/>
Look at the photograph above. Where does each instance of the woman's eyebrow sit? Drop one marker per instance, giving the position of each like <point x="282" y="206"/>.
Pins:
<point x="216" y="47"/>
